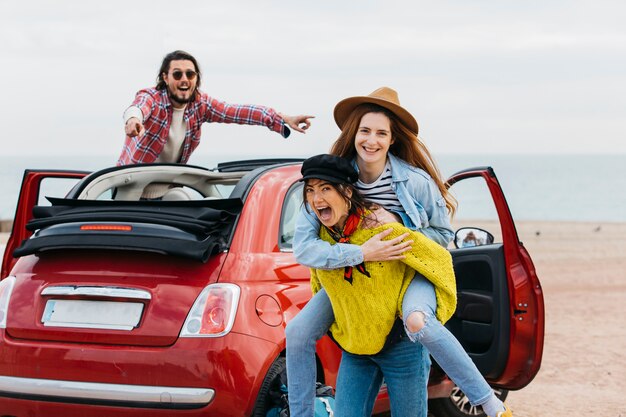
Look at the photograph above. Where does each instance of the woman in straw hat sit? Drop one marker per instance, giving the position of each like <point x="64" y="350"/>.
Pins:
<point x="398" y="174"/>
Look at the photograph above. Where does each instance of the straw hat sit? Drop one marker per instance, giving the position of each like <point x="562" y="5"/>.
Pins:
<point x="385" y="97"/>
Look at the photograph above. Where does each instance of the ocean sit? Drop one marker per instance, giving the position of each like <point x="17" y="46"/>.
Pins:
<point x="537" y="187"/>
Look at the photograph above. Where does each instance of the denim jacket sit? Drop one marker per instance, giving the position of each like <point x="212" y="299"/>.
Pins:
<point x="424" y="211"/>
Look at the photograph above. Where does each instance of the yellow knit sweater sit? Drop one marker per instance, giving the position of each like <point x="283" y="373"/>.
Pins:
<point x="366" y="309"/>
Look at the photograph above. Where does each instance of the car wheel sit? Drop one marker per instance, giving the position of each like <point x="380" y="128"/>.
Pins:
<point x="263" y="400"/>
<point x="458" y="405"/>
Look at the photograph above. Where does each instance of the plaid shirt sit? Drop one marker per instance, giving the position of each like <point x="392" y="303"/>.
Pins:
<point x="156" y="108"/>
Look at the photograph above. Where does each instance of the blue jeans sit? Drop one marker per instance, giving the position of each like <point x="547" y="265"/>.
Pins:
<point x="402" y="367"/>
<point x="310" y="325"/>
<point x="442" y="345"/>
<point x="315" y="319"/>
<point x="302" y="333"/>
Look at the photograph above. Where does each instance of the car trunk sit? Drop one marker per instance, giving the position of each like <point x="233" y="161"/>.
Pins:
<point x="89" y="296"/>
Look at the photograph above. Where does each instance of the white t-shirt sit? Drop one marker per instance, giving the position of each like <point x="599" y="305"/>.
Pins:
<point x="172" y="150"/>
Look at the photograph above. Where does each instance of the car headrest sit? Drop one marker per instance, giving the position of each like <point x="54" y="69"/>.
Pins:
<point x="177" y="194"/>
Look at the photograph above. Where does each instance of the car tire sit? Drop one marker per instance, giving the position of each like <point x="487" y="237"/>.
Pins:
<point x="263" y="400"/>
<point x="458" y="405"/>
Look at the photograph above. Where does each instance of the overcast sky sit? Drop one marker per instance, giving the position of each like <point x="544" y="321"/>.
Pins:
<point x="479" y="76"/>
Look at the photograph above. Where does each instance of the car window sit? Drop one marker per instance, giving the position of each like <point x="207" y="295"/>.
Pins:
<point x="291" y="208"/>
<point x="225" y="190"/>
<point x="54" y="187"/>
<point x="475" y="210"/>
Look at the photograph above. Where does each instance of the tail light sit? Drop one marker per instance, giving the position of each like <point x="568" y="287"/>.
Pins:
<point x="6" y="287"/>
<point x="213" y="312"/>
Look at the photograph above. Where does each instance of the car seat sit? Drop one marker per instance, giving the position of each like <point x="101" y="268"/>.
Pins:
<point x="177" y="194"/>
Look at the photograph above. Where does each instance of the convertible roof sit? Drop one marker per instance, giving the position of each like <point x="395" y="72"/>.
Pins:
<point x="192" y="229"/>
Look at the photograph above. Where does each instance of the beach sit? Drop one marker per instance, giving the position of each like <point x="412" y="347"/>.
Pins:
<point x="582" y="268"/>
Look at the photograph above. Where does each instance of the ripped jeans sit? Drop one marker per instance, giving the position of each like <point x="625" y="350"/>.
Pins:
<point x="304" y="330"/>
<point x="309" y="325"/>
<point x="442" y="345"/>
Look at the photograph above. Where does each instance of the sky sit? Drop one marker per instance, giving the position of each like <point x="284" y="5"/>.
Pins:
<point x="480" y="77"/>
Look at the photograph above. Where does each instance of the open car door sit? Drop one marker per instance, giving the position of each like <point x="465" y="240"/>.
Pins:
<point x="31" y="194"/>
<point x="500" y="313"/>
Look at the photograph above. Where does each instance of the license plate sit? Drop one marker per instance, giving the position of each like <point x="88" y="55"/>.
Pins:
<point x="92" y="314"/>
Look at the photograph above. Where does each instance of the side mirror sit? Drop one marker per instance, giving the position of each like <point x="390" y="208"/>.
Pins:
<point x="472" y="236"/>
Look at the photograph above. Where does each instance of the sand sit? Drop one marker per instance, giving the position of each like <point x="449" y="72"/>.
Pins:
<point x="582" y="268"/>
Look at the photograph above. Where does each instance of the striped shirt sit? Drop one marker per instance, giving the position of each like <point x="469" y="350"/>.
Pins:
<point x="380" y="191"/>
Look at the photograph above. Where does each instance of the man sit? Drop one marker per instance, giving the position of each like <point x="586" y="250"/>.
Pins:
<point x="163" y="123"/>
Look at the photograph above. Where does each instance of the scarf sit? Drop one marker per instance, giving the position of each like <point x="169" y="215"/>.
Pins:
<point x="343" y="236"/>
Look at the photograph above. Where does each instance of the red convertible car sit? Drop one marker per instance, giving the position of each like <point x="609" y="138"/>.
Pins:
<point x="111" y="305"/>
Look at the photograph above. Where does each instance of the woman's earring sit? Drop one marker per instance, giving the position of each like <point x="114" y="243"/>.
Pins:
<point x="349" y="205"/>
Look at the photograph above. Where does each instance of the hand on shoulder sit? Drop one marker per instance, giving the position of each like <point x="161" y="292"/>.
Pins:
<point x="378" y="248"/>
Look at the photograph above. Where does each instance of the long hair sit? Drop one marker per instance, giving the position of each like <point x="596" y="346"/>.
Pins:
<point x="406" y="146"/>
<point x="165" y="67"/>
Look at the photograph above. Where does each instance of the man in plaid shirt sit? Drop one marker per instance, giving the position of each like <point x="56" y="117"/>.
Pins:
<point x="163" y="124"/>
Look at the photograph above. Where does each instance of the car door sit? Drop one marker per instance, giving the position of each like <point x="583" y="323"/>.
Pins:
<point x="500" y="313"/>
<point x="34" y="186"/>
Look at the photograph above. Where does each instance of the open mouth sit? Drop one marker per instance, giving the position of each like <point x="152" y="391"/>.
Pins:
<point x="325" y="214"/>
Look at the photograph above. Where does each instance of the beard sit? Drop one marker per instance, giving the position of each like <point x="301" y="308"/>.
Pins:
<point x="178" y="99"/>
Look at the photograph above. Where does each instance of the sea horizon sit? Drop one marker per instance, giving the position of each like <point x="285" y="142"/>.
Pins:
<point x="543" y="187"/>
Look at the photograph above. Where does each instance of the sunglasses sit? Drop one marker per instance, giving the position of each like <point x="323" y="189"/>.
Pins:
<point x="178" y="75"/>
